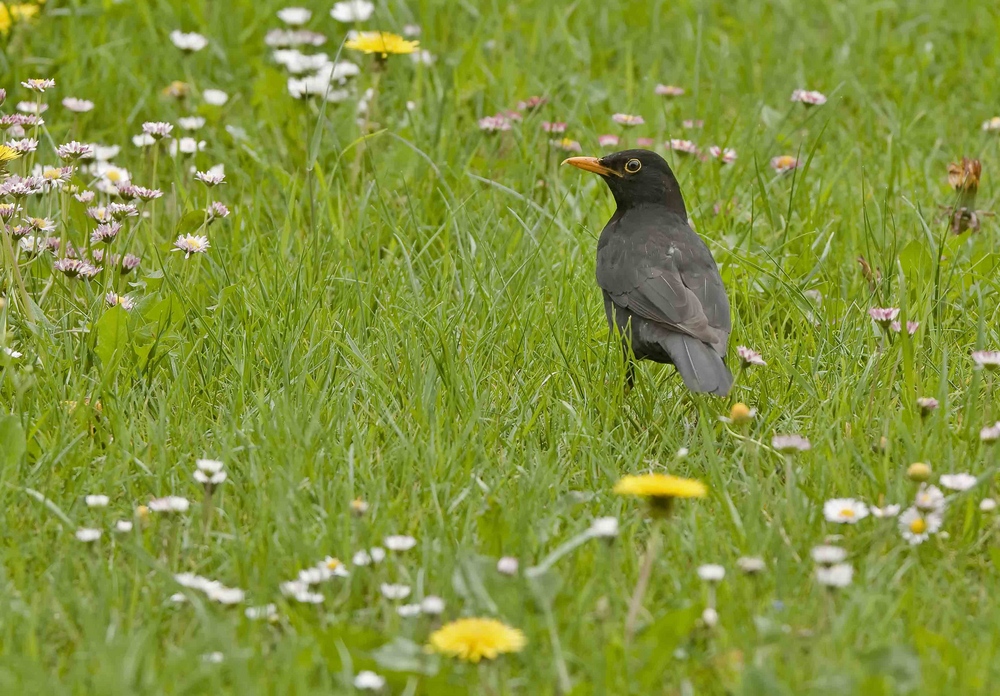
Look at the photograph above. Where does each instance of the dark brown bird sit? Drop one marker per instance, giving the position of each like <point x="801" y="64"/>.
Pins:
<point x="662" y="289"/>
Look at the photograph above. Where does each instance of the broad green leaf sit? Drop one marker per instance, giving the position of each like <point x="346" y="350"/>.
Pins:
<point x="112" y="334"/>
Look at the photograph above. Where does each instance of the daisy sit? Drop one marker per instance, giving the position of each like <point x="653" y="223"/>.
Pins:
<point x="990" y="433"/>
<point x="423" y="57"/>
<point x="74" y="150"/>
<point x="191" y="244"/>
<point x="129" y="263"/>
<point x="209" y="480"/>
<point x="29" y="107"/>
<point x="87" y="535"/>
<point x="190" y="42"/>
<point x="844" y="510"/>
<point x="294" y="16"/>
<point x="226" y="595"/>
<point x="18" y="187"/>
<point x="186" y="146"/>
<point x="628" y="120"/>
<point x="75" y="268"/>
<point x="784" y="163"/>
<point x="917" y="526"/>
<point x="284" y="38"/>
<point x="143" y="140"/>
<point x="473" y="639"/>
<point x="120" y="211"/>
<point x="711" y="573"/>
<point x="957" y="482"/>
<point x="373" y="555"/>
<point x="210" y="179"/>
<point x="751" y="565"/>
<point x="214" y="97"/>
<point x="883" y="512"/>
<point x="929" y="498"/>
<point x="381" y="43"/>
<point x="113" y="299"/>
<point x="692" y="123"/>
<point x="554" y="126"/>
<point x="749" y="357"/>
<point x="607" y="140"/>
<point x="190" y="123"/>
<point x="157" y="129"/>
<point x="835" y="576"/>
<point x="883" y="316"/>
<point x="351" y="11"/>
<point x="97" y="501"/>
<point x="39" y="85"/>
<point x="992" y="124"/>
<point x="171" y="503"/>
<point x="566" y="145"/>
<point x="710" y="617"/>
<point x="987" y="505"/>
<point x="394" y="591"/>
<point x="296" y="62"/>
<point x="368" y="681"/>
<point x="216" y="211"/>
<point x="268" y="612"/>
<point x="604" y="527"/>
<point x="123" y="526"/>
<point x="432" y="604"/>
<point x="911" y="327"/>
<point x="683" y="146"/>
<point x="8" y="211"/>
<point x="493" y="124"/>
<point x="724" y="155"/>
<point x="828" y="555"/>
<point x="789" y="444"/>
<point x="986" y="359"/>
<point x="809" y="98"/>
<point x="79" y="106"/>
<point x="668" y="91"/>
<point x="399" y="542"/>
<point x="529" y="104"/>
<point x="507" y="565"/>
<point x="408" y="611"/>
<point x="359" y="507"/>
<point x="927" y="404"/>
<point x="105" y="233"/>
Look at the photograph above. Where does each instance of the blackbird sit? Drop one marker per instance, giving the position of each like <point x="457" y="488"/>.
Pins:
<point x="662" y="289"/>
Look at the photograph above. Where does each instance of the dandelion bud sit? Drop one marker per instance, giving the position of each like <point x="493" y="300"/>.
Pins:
<point x="918" y="472"/>
<point x="740" y="413"/>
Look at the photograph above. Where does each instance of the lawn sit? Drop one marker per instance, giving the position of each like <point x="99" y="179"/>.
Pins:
<point x="374" y="303"/>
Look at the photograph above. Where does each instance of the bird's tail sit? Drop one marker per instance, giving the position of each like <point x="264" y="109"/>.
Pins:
<point x="700" y="366"/>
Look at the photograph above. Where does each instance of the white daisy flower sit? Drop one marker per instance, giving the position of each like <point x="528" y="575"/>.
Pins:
<point x="507" y="565"/>
<point x="987" y="505"/>
<point x="87" y="535"/>
<point x="408" y="611"/>
<point x="191" y="123"/>
<point x="213" y="658"/>
<point x="189" y="42"/>
<point x="844" y="510"/>
<point x="214" y="97"/>
<point x="751" y="565"/>
<point x="186" y="146"/>
<point x="268" y="612"/>
<point x="917" y="526"/>
<point x="294" y="16"/>
<point x="711" y="572"/>
<point x="887" y="511"/>
<point x="350" y="11"/>
<point x="839" y="575"/>
<point x="123" y="526"/>
<point x="368" y="681"/>
<point x="604" y="527"/>
<point x="828" y="555"/>
<point x="226" y="595"/>
<point x="432" y="604"/>
<point x="77" y="105"/>
<point x="171" y="503"/>
<point x="929" y="498"/>
<point x="191" y="244"/>
<point x="143" y="140"/>
<point x="958" y="482"/>
<point x="395" y="591"/>
<point x="97" y="501"/>
<point x="399" y="542"/>
<point x="710" y="617"/>
<point x="210" y="179"/>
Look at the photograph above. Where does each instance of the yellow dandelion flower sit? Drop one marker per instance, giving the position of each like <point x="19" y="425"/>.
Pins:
<point x="7" y="153"/>
<point x="381" y="42"/>
<point x="473" y="639"/>
<point x="663" y="486"/>
<point x="23" y="12"/>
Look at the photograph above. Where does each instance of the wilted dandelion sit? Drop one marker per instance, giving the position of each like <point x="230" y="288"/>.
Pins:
<point x="628" y="120"/>
<point x="473" y="639"/>
<point x="784" y="164"/>
<point x="668" y="91"/>
<point x="808" y="97"/>
<point x="916" y="525"/>
<point x="957" y="482"/>
<point x="190" y="42"/>
<point x="844" y="510"/>
<point x="964" y="176"/>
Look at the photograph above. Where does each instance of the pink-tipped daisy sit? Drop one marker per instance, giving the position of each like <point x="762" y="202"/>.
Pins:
<point x="554" y="126"/>
<point x="191" y="244"/>
<point x="494" y="124"/>
<point x="216" y="211"/>
<point x="809" y="98"/>
<point x="157" y="129"/>
<point x="105" y="233"/>
<point x="39" y="85"/>
<point x="607" y="140"/>
<point x="668" y="91"/>
<point x="79" y="106"/>
<point x="685" y="147"/>
<point x="74" y="150"/>
<point x="628" y="120"/>
<point x="566" y="145"/>
<point x="884" y="316"/>
<point x="749" y="357"/>
<point x="986" y="359"/>
<point x="911" y="327"/>
<point x="211" y="178"/>
<point x="724" y="155"/>
<point x="532" y="103"/>
<point x="693" y="123"/>
<point x="784" y="164"/>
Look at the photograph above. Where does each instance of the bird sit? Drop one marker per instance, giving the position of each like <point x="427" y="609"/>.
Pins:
<point x="663" y="294"/>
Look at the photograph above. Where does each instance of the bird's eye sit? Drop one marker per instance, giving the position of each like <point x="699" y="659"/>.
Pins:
<point x="632" y="166"/>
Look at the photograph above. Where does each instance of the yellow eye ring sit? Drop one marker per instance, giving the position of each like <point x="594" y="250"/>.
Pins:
<point x="632" y="166"/>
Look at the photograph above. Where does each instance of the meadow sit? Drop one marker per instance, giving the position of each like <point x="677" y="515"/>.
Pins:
<point x="302" y="358"/>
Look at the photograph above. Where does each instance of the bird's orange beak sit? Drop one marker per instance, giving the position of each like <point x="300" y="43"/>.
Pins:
<point x="591" y="164"/>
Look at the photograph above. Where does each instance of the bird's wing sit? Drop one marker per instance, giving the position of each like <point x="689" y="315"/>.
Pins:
<point x="672" y="282"/>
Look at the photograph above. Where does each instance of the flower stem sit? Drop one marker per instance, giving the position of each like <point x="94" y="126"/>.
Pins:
<point x="652" y="549"/>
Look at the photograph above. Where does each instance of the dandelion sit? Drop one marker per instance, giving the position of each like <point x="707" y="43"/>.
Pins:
<point x="883" y="316"/>
<point x="685" y="147"/>
<point x="604" y="527"/>
<point x="381" y="43"/>
<point x="660" y="489"/>
<point x="628" y="120"/>
<point x="473" y="639"/>
<point x="916" y="525"/>
<point x="432" y="605"/>
<point x="394" y="591"/>
<point x="992" y="124"/>
<point x="751" y="565"/>
<point x="23" y="146"/>
<point x="987" y="505"/>
<point x="957" y="482"/>
<point x="784" y="164"/>
<point x="79" y="106"/>
<point x="351" y="11"/>
<point x="835" y="576"/>
<point x="123" y="526"/>
<point x="294" y="16"/>
<point x="190" y="42"/>
<point x="724" y="155"/>
<point x="929" y="498"/>
<point x="884" y="512"/>
<point x="399" y="542"/>
<point x="927" y="405"/>
<point x="986" y="359"/>
<point x="214" y="97"/>
<point x="790" y="444"/>
<point x="607" y="140"/>
<point x="844" y="510"/>
<point x="808" y="98"/>
<point x="191" y="244"/>
<point x="668" y="91"/>
<point x="529" y="104"/>
<point x="210" y="179"/>
<point x="749" y="357"/>
<point x="918" y="471"/>
<point x="711" y="573"/>
<point x="507" y="565"/>
<point x="567" y="145"/>
<point x="170" y="503"/>
<point x="191" y="123"/>
<point x="39" y="85"/>
<point x="368" y="681"/>
<point x="87" y="535"/>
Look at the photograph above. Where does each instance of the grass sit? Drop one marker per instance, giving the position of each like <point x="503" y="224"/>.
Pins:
<point x="412" y="319"/>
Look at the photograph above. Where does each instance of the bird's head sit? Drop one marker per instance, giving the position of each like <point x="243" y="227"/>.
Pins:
<point x="636" y="177"/>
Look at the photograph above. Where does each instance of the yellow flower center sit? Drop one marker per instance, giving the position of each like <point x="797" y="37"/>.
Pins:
<point x="847" y="512"/>
<point x="333" y="563"/>
<point x="113" y="175"/>
<point x="51" y="173"/>
<point x="918" y="526"/>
